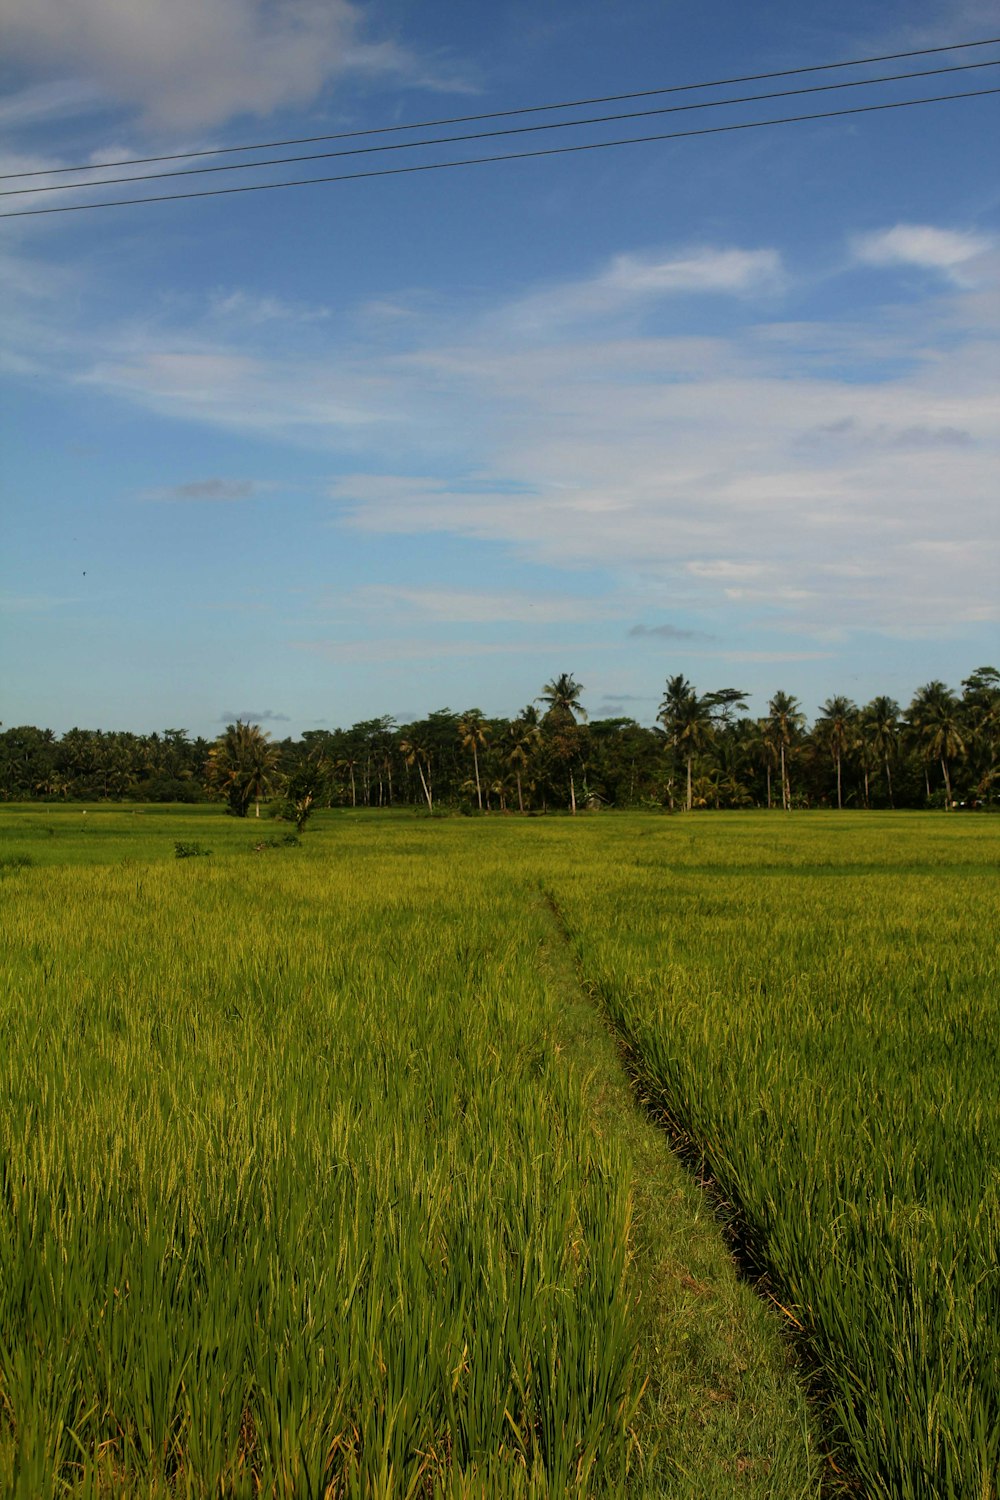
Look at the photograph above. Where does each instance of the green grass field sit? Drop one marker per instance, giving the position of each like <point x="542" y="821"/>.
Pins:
<point x="320" y="1174"/>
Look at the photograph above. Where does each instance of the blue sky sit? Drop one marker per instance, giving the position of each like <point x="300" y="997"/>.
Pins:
<point x="726" y="406"/>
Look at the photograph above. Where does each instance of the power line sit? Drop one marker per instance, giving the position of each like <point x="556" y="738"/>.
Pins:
<point x="479" y="135"/>
<point x="501" y="114"/>
<point x="476" y="161"/>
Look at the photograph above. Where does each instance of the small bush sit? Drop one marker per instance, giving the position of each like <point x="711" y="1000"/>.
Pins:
<point x="283" y="842"/>
<point x="15" y="861"/>
<point x="189" y="851"/>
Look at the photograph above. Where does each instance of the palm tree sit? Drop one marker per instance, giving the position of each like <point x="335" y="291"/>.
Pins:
<point x="981" y="715"/>
<point x="416" y="753"/>
<point x="762" y="750"/>
<point x="836" y="728"/>
<point x="521" y="740"/>
<point x="243" y="764"/>
<point x="783" y="727"/>
<point x="690" y="720"/>
<point x="935" y="719"/>
<point x="879" y="725"/>
<point x="349" y="763"/>
<point x="473" y="731"/>
<point x="677" y="691"/>
<point x="687" y="722"/>
<point x="562" y="695"/>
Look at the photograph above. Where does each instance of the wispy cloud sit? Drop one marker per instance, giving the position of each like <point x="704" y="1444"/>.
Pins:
<point x="810" y="472"/>
<point x="667" y="633"/>
<point x="197" y="380"/>
<point x="947" y="251"/>
<point x="246" y="308"/>
<point x="207" y="489"/>
<point x="253" y="716"/>
<point x="58" y="98"/>
<point x="635" y="281"/>
<point x="861" y="435"/>
<point x="707" y="269"/>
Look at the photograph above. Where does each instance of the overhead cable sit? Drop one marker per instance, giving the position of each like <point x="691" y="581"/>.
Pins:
<point x="501" y="114"/>
<point x="479" y="135"/>
<point x="475" y="161"/>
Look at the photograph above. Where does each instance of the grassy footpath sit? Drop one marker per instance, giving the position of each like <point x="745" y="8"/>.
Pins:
<point x="724" y="1411"/>
<point x="319" y="1177"/>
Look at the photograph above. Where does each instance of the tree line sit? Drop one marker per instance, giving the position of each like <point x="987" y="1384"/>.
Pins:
<point x="705" y="750"/>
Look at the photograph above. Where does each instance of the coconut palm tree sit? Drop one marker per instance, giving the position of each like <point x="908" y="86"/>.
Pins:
<point x="562" y="695"/>
<point x="836" y="729"/>
<point x="762" y="751"/>
<point x="244" y="765"/>
<point x="879" y="726"/>
<point x="935" y="719"/>
<point x="687" y="722"/>
<point x="783" y="727"/>
<point x="348" y="764"/>
<point x="416" y="753"/>
<point x="981" y="715"/>
<point x="473" y="732"/>
<point x="690" y="719"/>
<point x="521" y="741"/>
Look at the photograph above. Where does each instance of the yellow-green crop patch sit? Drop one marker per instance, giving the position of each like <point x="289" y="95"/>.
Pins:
<point x="301" y="1193"/>
<point x="815" y="1006"/>
<point x="314" y="1179"/>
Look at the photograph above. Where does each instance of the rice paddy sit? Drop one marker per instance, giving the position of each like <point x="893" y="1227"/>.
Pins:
<point x="318" y="1173"/>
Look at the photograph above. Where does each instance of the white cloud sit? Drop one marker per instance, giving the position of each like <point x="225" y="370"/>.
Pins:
<point x="634" y="281"/>
<point x="193" y="63"/>
<point x="229" y="388"/>
<point x="714" y="489"/>
<point x="58" y="98"/>
<point x="726" y="570"/>
<point x="827" y="476"/>
<point x="702" y="270"/>
<point x="948" y="251"/>
<point x="248" y="308"/>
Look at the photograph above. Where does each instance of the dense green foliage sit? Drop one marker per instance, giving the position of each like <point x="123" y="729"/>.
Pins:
<point x="703" y="752"/>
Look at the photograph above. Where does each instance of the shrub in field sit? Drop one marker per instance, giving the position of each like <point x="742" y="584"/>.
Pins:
<point x="187" y="850"/>
<point x="286" y="841"/>
<point x="10" y="862"/>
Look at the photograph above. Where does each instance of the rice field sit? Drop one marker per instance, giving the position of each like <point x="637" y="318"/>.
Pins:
<point x="318" y="1175"/>
<point x="816" y="1013"/>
